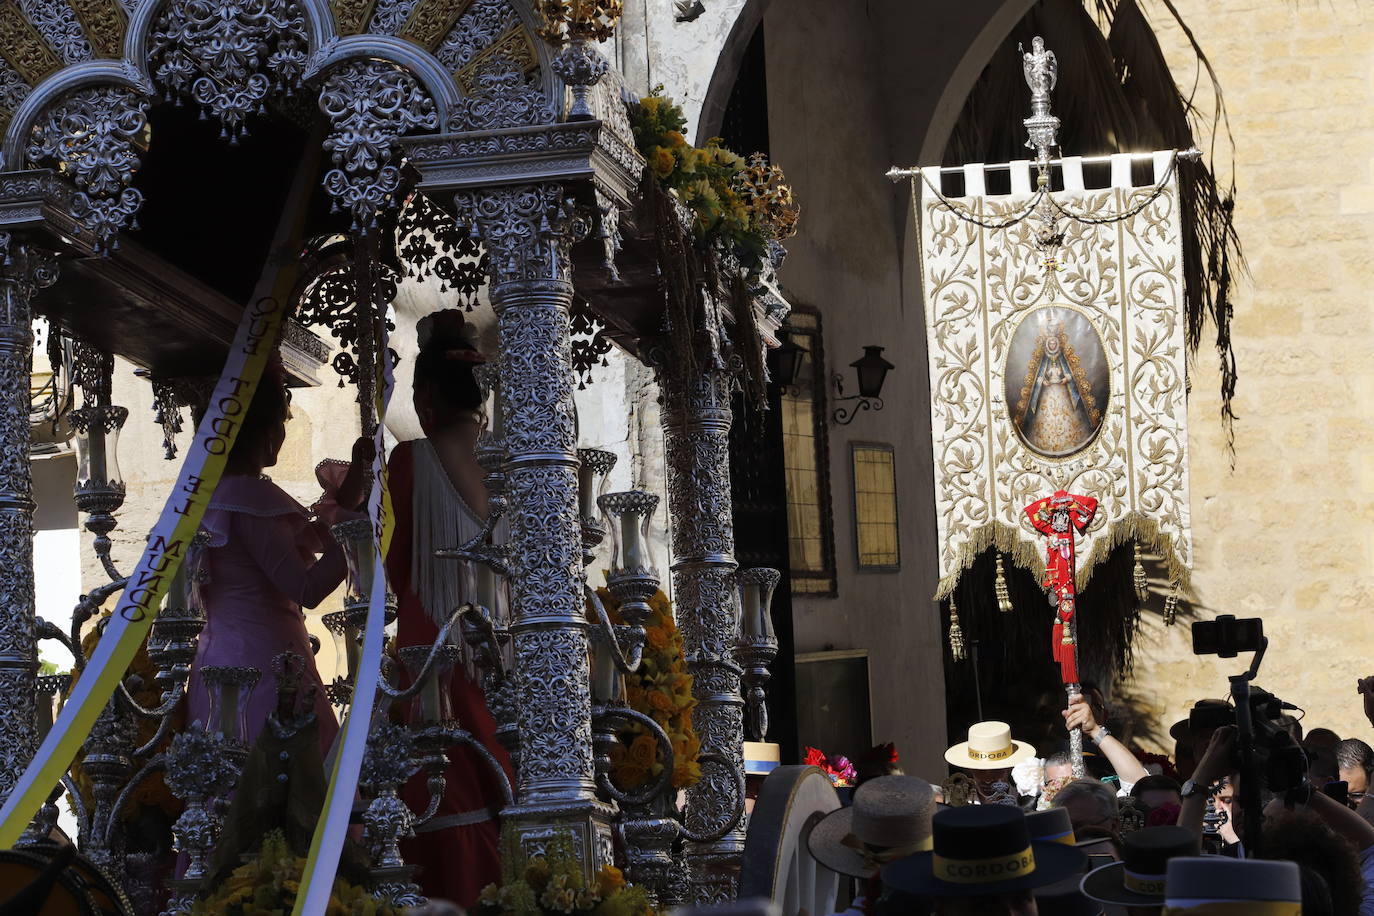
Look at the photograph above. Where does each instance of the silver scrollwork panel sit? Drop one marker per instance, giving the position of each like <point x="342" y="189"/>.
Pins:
<point x="92" y="135"/>
<point x="528" y="230"/>
<point x="696" y="430"/>
<point x="369" y="104"/>
<point x="24" y="271"/>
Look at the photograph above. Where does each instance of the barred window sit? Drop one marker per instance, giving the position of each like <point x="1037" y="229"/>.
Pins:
<point x="811" y="546"/>
<point x="875" y="506"/>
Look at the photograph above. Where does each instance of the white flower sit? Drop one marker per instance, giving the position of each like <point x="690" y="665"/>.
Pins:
<point x="1029" y="776"/>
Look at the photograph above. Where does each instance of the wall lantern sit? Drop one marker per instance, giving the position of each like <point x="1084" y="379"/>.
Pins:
<point x="872" y="371"/>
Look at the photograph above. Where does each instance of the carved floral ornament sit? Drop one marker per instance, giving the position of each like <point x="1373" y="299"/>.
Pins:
<point x="92" y="137"/>
<point x="369" y="104"/>
<point x="229" y="55"/>
<point x="501" y="99"/>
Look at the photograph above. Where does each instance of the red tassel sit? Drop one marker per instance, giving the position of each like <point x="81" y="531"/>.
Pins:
<point x="1057" y="640"/>
<point x="1068" y="665"/>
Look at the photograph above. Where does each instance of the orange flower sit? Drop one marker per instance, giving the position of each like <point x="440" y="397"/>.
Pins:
<point x="656" y="638"/>
<point x="662" y="162"/>
<point x="635" y="697"/>
<point x="609" y="880"/>
<point x="643" y="751"/>
<point x="686" y="774"/>
<point x="661" y="701"/>
<point x="631" y="776"/>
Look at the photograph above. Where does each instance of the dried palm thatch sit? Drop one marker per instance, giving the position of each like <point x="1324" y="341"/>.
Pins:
<point x="1117" y="94"/>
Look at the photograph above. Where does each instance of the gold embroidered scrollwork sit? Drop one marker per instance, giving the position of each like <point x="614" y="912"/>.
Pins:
<point x="431" y="20"/>
<point x="514" y="44"/>
<point x="104" y="22"/>
<point x="23" y="47"/>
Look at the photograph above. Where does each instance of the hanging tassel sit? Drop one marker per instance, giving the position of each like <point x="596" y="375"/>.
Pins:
<point x="1000" y="588"/>
<point x="1142" y="585"/>
<point x="1067" y="652"/>
<point x="1171" y="606"/>
<point x="1068" y="661"/>
<point x="956" y="635"/>
<point x="1057" y="637"/>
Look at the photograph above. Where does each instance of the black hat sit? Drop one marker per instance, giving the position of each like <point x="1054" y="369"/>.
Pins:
<point x="982" y="849"/>
<point x="1182" y="730"/>
<point x="1051" y="824"/>
<point x="1138" y="879"/>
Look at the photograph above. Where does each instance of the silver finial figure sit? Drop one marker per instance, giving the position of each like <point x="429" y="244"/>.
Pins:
<point x="1042" y="72"/>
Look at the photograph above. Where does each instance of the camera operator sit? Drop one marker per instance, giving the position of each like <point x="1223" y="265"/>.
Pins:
<point x="1218" y="762"/>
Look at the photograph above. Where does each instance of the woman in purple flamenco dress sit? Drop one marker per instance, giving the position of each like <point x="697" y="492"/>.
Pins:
<point x="267" y="558"/>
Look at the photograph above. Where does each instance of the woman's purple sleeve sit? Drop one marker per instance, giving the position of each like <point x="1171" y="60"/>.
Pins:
<point x="272" y="543"/>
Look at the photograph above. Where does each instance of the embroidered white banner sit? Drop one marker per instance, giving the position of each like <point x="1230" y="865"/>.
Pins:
<point x="1059" y="368"/>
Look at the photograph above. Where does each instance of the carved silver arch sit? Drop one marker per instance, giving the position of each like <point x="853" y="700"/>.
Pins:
<point x="319" y="29"/>
<point x="77" y="76"/>
<point x="421" y="64"/>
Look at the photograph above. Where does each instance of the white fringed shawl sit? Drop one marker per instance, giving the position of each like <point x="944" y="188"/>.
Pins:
<point x="439" y="518"/>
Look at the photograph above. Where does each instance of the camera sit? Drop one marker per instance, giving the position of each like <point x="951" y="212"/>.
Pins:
<point x="1266" y="754"/>
<point x="1278" y="758"/>
<point x="1227" y="636"/>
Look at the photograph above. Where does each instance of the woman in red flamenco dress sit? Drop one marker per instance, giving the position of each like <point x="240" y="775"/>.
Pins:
<point x="440" y="501"/>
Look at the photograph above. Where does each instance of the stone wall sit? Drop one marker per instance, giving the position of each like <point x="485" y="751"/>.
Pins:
<point x="1287" y="535"/>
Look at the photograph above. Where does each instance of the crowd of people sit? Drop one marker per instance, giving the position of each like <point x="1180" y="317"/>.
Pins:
<point x="1284" y="828"/>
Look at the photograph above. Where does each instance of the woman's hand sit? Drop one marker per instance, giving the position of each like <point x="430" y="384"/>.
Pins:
<point x="1080" y="715"/>
<point x="353" y="491"/>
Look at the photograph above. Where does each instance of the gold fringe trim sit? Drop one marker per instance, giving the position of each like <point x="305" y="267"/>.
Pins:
<point x="1031" y="556"/>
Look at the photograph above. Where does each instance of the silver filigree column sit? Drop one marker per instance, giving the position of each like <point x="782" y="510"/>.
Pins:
<point x="696" y="431"/>
<point x="23" y="271"/>
<point x="528" y="230"/>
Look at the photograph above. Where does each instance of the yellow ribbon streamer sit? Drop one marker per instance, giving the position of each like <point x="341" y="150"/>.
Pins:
<point x="322" y="862"/>
<point x="201" y="469"/>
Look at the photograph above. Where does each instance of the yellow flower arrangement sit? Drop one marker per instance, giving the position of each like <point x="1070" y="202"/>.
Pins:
<point x="554" y="884"/>
<point x="269" y="884"/>
<point x="738" y="205"/>
<point x="662" y="690"/>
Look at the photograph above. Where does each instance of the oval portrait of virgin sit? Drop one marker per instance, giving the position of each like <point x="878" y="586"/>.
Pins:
<point x="1057" y="381"/>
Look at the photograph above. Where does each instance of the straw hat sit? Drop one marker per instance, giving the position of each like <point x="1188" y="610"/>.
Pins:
<point x="1139" y="878"/>
<point x="1221" y="886"/>
<point x="989" y="747"/>
<point x="890" y="819"/>
<point x="982" y="849"/>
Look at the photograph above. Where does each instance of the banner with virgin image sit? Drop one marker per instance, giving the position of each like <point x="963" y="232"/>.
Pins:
<point x="1055" y="330"/>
